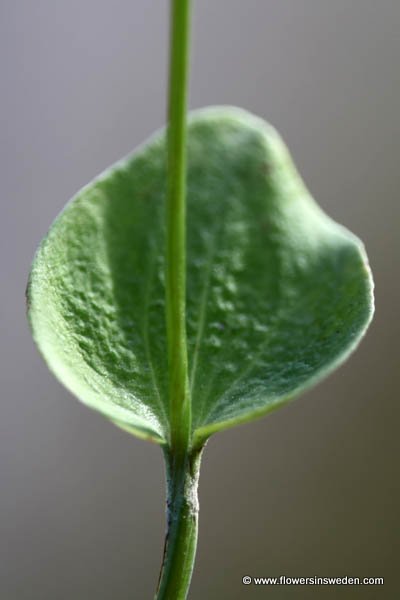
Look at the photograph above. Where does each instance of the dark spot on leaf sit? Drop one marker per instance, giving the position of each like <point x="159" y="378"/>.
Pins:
<point x="266" y="169"/>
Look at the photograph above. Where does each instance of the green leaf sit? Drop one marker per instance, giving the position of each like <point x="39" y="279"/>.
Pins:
<point x="278" y="294"/>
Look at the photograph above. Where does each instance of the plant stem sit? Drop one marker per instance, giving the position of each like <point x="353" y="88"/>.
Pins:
<point x="179" y="399"/>
<point x="182" y="466"/>
<point x="182" y="525"/>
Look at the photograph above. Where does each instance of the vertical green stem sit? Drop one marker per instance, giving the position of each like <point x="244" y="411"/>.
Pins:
<point x="182" y="465"/>
<point x="182" y="525"/>
<point x="180" y="409"/>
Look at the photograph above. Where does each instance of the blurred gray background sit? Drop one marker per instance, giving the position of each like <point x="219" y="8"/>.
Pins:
<point x="311" y="490"/>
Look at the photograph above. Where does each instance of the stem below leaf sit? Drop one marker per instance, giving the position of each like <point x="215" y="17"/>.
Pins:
<point x="182" y="525"/>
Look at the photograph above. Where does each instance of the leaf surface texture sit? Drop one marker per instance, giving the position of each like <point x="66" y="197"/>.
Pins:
<point x="278" y="294"/>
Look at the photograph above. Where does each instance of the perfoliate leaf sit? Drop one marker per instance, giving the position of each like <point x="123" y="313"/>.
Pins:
<point x="278" y="294"/>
